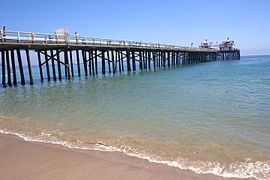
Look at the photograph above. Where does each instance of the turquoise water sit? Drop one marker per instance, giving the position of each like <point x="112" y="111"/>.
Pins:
<point x="209" y="117"/>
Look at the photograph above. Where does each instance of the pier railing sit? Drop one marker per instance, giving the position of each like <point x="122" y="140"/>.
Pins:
<point x="66" y="39"/>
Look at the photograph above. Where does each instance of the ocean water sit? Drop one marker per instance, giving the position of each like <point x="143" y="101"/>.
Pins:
<point x="210" y="117"/>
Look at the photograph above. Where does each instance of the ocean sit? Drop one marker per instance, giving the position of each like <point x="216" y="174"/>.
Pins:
<point x="209" y="117"/>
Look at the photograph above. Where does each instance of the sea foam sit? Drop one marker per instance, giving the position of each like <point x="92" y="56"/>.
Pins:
<point x="258" y="170"/>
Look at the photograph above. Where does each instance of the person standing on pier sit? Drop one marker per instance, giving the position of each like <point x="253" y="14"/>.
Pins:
<point x="4" y="33"/>
<point x="77" y="37"/>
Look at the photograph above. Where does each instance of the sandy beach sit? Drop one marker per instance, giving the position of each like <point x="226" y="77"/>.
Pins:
<point x="31" y="160"/>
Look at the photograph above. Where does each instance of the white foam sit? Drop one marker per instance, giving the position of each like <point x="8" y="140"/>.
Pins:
<point x="258" y="170"/>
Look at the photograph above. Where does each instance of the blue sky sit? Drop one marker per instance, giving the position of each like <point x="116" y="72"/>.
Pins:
<point x="170" y="21"/>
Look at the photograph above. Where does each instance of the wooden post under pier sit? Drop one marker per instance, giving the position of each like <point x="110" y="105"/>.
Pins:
<point x="13" y="68"/>
<point x="108" y="61"/>
<point x="40" y="66"/>
<point x="119" y="61"/>
<point x="154" y="60"/>
<point x="140" y="60"/>
<point x="59" y="66"/>
<point x="47" y="65"/>
<point x="78" y="62"/>
<point x="93" y="63"/>
<point x="133" y="61"/>
<point x="29" y="67"/>
<point x="67" y="70"/>
<point x="53" y="66"/>
<point x="113" y="63"/>
<point x="84" y="62"/>
<point x="90" y="62"/>
<point x="3" y="67"/>
<point x="96" y="61"/>
<point x="71" y="63"/>
<point x="145" y="59"/>
<point x="20" y="66"/>
<point x="128" y="60"/>
<point x="8" y="68"/>
<point x="149" y="60"/>
<point x="168" y="58"/>
<point x="103" y="62"/>
<point x="122" y="61"/>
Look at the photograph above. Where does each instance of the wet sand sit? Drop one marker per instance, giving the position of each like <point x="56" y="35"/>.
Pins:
<point x="30" y="160"/>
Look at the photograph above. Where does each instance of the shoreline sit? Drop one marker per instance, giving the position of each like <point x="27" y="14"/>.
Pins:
<point x="35" y="160"/>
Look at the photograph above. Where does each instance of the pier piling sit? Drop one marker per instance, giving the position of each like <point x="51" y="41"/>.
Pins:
<point x="53" y="66"/>
<point x="20" y="66"/>
<point x="71" y="63"/>
<point x="13" y="68"/>
<point x="40" y="66"/>
<point x="8" y="68"/>
<point x="47" y="65"/>
<point x="29" y="67"/>
<point x="3" y="68"/>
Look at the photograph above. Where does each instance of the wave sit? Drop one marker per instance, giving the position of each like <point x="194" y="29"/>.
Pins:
<point x="258" y="170"/>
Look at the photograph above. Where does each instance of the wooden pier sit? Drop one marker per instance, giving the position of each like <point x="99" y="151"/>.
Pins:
<point x="61" y="57"/>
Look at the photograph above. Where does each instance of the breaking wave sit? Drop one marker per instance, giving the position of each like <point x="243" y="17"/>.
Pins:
<point x="258" y="170"/>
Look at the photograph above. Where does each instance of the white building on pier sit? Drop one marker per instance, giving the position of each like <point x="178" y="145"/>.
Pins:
<point x="227" y="45"/>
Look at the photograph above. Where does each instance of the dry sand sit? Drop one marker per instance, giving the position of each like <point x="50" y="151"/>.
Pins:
<point x="29" y="160"/>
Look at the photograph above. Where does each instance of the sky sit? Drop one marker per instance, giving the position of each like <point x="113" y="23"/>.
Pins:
<point x="172" y="21"/>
